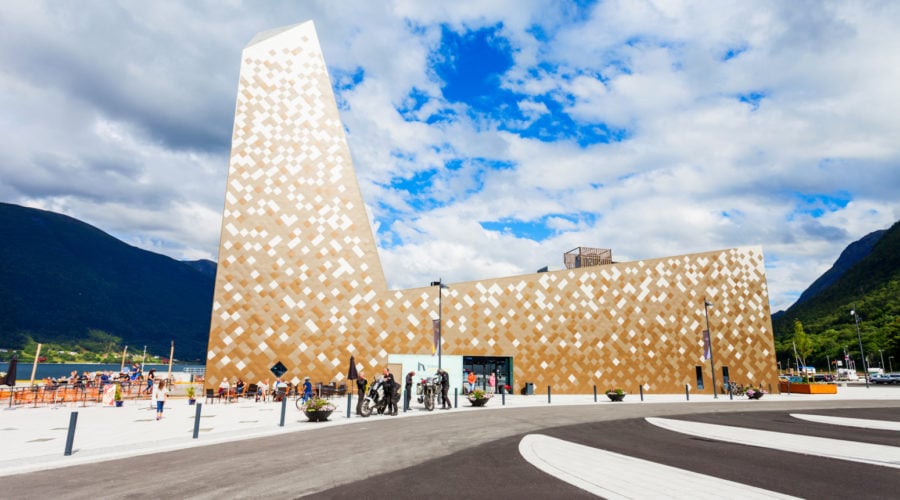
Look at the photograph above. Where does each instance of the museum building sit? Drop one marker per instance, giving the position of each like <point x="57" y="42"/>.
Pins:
<point x="300" y="289"/>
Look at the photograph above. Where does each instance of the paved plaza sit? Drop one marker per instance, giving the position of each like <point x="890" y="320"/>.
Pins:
<point x="35" y="438"/>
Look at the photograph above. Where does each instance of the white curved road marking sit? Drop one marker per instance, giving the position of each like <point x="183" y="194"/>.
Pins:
<point x="864" y="423"/>
<point x="877" y="454"/>
<point x="616" y="476"/>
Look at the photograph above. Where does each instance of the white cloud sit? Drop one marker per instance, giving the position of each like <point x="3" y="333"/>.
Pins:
<point x="119" y="114"/>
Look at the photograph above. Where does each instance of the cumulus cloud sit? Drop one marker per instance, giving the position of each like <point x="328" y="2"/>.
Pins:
<point x="653" y="128"/>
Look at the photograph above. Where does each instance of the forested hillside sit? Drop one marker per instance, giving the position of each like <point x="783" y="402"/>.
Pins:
<point x="872" y="288"/>
<point x="61" y="279"/>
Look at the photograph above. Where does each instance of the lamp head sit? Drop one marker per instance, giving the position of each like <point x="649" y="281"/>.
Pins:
<point x="707" y="303"/>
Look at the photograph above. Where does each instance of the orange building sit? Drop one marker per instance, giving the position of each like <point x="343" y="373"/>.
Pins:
<point x="300" y="287"/>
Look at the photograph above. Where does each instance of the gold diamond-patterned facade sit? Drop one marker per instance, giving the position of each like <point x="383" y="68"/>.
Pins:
<point x="300" y="281"/>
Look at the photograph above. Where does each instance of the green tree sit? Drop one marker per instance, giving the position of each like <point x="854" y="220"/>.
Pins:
<point x="802" y="342"/>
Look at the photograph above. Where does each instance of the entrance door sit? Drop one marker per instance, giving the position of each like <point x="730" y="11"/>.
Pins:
<point x="483" y="366"/>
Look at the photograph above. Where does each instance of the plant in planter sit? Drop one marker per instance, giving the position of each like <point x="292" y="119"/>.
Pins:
<point x="118" y="395"/>
<point x="752" y="393"/>
<point x="191" y="393"/>
<point x="479" y="397"/>
<point x="616" y="394"/>
<point x="317" y="409"/>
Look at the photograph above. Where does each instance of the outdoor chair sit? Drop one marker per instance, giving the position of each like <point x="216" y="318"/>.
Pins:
<point x="211" y="395"/>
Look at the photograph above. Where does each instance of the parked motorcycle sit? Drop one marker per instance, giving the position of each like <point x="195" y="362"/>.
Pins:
<point x="375" y="399"/>
<point x="427" y="391"/>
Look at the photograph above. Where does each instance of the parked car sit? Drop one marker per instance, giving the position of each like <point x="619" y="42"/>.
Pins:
<point x="823" y="377"/>
<point x="881" y="379"/>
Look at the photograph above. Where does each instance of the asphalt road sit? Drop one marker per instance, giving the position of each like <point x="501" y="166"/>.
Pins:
<point x="474" y="455"/>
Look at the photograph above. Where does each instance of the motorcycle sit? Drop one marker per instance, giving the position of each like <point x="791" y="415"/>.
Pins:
<point x="375" y="399"/>
<point x="427" y="391"/>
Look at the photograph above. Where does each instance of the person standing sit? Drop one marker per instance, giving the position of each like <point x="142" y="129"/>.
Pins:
<point x="151" y="379"/>
<point x="445" y="390"/>
<point x="360" y="392"/>
<point x="160" y="394"/>
<point x="471" y="380"/>
<point x="307" y="389"/>
<point x="492" y="381"/>
<point x="409" y="389"/>
<point x="388" y="385"/>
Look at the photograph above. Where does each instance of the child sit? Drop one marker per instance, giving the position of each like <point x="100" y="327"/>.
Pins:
<point x="159" y="395"/>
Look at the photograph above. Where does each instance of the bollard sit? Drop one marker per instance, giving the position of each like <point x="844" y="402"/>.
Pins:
<point x="70" y="437"/>
<point x="730" y="393"/>
<point x="548" y="394"/>
<point x="349" y="399"/>
<point x="197" y="420"/>
<point x="455" y="391"/>
<point x="770" y="388"/>
<point x="687" y="394"/>
<point x="595" y="393"/>
<point x="283" y="409"/>
<point x="503" y="397"/>
<point x="640" y="387"/>
<point x="406" y="400"/>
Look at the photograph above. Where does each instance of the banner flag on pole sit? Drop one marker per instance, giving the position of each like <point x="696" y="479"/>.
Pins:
<point x="706" y="349"/>
<point x="437" y="336"/>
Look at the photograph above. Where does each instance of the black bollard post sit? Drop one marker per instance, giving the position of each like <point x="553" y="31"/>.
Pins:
<point x="70" y="437"/>
<point x="730" y="393"/>
<point x="349" y="402"/>
<point x="641" y="388"/>
<point x="455" y="402"/>
<point x="283" y="409"/>
<point x="503" y="397"/>
<point x="406" y="401"/>
<point x="687" y="394"/>
<point x="595" y="393"/>
<point x="197" y="421"/>
<point x="548" y="394"/>
<point x="770" y="388"/>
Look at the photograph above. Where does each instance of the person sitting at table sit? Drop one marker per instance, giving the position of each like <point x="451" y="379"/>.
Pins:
<point x="224" y="386"/>
<point x="262" y="389"/>
<point x="280" y="389"/>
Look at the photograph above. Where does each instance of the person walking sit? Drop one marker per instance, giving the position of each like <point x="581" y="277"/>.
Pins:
<point x="360" y="392"/>
<point x="389" y="392"/>
<point x="445" y="390"/>
<point x="160" y="394"/>
<point x="492" y="381"/>
<point x="409" y="389"/>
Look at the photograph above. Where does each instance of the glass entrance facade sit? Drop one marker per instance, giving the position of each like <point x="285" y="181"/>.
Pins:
<point x="483" y="366"/>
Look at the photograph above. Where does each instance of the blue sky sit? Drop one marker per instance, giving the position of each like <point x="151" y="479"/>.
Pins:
<point x="489" y="137"/>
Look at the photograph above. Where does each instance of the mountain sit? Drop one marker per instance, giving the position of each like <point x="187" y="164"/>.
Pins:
<point x="854" y="253"/>
<point x="206" y="267"/>
<point x="61" y="278"/>
<point x="867" y="282"/>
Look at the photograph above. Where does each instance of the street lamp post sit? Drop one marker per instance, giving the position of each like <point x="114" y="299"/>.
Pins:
<point x="712" y="363"/>
<point x="861" y="353"/>
<point x="891" y="363"/>
<point x="881" y="353"/>
<point x="440" y="327"/>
